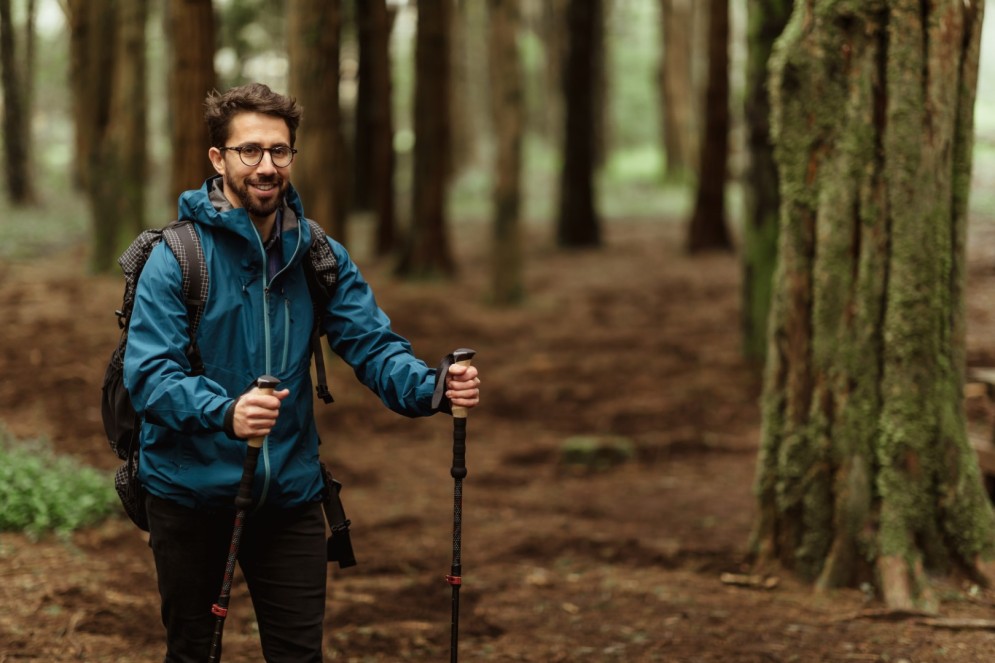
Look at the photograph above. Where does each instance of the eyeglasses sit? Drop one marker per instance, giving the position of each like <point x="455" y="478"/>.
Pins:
<point x="252" y="154"/>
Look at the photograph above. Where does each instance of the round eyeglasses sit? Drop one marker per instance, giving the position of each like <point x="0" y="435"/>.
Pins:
<point x="252" y="154"/>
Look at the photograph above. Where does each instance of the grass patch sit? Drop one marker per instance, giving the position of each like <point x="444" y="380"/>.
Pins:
<point x="43" y="492"/>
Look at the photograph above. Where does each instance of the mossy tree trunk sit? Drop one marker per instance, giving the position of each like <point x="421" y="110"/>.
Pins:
<point x="766" y="21"/>
<point x="865" y="472"/>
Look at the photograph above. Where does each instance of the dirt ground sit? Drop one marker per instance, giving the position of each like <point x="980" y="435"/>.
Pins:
<point x="633" y="348"/>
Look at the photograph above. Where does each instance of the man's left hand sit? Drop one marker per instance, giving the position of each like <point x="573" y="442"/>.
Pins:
<point x="463" y="386"/>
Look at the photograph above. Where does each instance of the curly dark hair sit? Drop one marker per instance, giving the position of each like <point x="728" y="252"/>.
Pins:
<point x="219" y="109"/>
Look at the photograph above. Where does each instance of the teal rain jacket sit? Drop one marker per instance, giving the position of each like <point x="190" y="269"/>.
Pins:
<point x="250" y="327"/>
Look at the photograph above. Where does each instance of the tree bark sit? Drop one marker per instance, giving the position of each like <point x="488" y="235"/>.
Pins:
<point x="578" y="224"/>
<point x="865" y="472"/>
<point x="676" y="88"/>
<point x="117" y="187"/>
<point x="374" y="146"/>
<point x="427" y="253"/>
<point x="508" y="113"/>
<point x="707" y="230"/>
<point x="314" y="27"/>
<point x="191" y="77"/>
<point x="766" y="21"/>
<point x="16" y="114"/>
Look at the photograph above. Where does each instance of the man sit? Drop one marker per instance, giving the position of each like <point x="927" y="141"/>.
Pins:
<point x="257" y="321"/>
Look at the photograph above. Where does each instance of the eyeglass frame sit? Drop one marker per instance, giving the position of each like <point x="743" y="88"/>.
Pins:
<point x="262" y="153"/>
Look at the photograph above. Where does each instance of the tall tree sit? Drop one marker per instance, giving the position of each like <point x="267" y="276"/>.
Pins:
<point x="508" y="113"/>
<point x="191" y="28"/>
<point x="427" y="252"/>
<point x="16" y="110"/>
<point x="707" y="229"/>
<point x="468" y="81"/>
<point x="108" y="38"/>
<point x="865" y="471"/>
<point x="314" y="28"/>
<point x="374" y="145"/>
<point x="120" y="190"/>
<point x="676" y="88"/>
<point x="766" y="21"/>
<point x="578" y="223"/>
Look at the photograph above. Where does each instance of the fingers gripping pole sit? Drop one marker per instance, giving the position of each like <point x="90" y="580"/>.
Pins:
<point x="458" y="471"/>
<point x="243" y="501"/>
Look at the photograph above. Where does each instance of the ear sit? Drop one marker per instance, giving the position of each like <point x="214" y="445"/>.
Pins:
<point x="217" y="158"/>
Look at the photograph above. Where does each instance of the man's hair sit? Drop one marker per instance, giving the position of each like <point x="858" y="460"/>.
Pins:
<point x="219" y="109"/>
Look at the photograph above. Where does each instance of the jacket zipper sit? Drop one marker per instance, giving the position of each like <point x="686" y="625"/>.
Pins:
<point x="267" y="339"/>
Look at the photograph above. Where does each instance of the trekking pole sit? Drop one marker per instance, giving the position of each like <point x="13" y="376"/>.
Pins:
<point x="463" y="357"/>
<point x="243" y="501"/>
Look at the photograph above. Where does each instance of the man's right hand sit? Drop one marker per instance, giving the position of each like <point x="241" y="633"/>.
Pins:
<point x="256" y="413"/>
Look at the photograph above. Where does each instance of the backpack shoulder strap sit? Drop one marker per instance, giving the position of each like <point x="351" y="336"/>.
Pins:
<point x="322" y="272"/>
<point x="322" y="268"/>
<point x="182" y="238"/>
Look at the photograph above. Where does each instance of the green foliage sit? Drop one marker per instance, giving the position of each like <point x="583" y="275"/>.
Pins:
<point x="42" y="492"/>
<point x="596" y="452"/>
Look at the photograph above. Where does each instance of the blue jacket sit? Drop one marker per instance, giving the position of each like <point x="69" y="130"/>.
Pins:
<point x="250" y="328"/>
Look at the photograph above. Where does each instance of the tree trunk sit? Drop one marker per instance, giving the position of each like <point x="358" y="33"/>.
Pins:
<point x="707" y="230"/>
<point x="469" y="83"/>
<point x="865" y="472"/>
<point x="676" y="88"/>
<point x="16" y="113"/>
<point x="766" y="21"/>
<point x="545" y="86"/>
<point x="427" y="253"/>
<point x="127" y="130"/>
<point x="117" y="164"/>
<point x="191" y="77"/>
<point x="508" y="113"/>
<point x="578" y="224"/>
<point x="374" y="151"/>
<point x="314" y="27"/>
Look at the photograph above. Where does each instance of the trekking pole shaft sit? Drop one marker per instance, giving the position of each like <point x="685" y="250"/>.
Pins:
<point x="458" y="472"/>
<point x="243" y="501"/>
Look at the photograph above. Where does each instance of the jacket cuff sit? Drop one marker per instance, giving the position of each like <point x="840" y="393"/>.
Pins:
<point x="230" y="420"/>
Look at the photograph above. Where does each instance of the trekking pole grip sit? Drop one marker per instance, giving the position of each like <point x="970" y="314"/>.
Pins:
<point x="463" y="357"/>
<point x="265" y="384"/>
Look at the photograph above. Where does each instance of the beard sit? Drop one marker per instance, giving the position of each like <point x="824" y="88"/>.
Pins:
<point x="252" y="205"/>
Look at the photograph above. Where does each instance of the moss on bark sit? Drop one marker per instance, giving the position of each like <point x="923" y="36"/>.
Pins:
<point x="865" y="470"/>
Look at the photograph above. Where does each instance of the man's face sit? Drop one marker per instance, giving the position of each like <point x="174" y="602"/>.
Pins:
<point x="260" y="188"/>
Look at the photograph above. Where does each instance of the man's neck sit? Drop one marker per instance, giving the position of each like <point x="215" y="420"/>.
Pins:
<point x="264" y="226"/>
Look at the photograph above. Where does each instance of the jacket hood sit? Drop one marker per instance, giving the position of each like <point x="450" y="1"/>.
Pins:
<point x="208" y="206"/>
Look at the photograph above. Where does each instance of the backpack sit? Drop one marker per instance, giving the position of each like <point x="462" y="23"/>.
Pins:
<point x="121" y="423"/>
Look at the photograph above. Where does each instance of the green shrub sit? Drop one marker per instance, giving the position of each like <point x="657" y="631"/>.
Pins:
<point x="41" y="491"/>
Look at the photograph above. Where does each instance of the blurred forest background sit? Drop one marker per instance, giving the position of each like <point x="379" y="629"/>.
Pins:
<point x="116" y="89"/>
<point x="600" y="175"/>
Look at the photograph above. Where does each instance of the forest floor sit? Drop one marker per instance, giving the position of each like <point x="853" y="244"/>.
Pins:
<point x="634" y="348"/>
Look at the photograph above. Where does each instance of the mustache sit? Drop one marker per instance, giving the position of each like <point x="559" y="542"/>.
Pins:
<point x="266" y="179"/>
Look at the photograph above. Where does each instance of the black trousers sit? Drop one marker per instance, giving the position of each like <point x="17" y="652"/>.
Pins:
<point x="282" y="556"/>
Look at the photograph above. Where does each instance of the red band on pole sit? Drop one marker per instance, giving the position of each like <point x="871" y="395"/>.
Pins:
<point x="454" y="580"/>
<point x="218" y="611"/>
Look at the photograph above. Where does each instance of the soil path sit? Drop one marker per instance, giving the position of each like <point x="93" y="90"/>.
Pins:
<point x="634" y="347"/>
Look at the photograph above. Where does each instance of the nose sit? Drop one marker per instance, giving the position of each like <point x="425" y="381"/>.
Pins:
<point x="266" y="165"/>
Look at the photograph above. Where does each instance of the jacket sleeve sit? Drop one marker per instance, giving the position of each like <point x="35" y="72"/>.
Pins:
<point x="157" y="372"/>
<point x="360" y="332"/>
